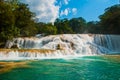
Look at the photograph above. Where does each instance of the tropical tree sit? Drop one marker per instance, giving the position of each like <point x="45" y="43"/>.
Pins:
<point x="63" y="26"/>
<point x="24" y="20"/>
<point x="110" y="20"/>
<point x="78" y="25"/>
<point x="94" y="27"/>
<point x="15" y="20"/>
<point x="46" y="29"/>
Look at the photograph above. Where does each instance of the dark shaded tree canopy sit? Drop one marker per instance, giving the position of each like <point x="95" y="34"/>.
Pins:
<point x="110" y="20"/>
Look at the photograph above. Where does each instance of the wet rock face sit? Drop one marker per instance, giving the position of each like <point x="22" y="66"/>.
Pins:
<point x="15" y="46"/>
<point x="60" y="47"/>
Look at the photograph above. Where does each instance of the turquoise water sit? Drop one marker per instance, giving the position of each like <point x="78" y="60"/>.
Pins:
<point x="82" y="68"/>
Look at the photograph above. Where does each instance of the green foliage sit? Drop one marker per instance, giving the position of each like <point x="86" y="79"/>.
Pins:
<point x="75" y="25"/>
<point x="15" y="20"/>
<point x="94" y="27"/>
<point x="47" y="29"/>
<point x="24" y="21"/>
<point x="63" y="26"/>
<point x="6" y="21"/>
<point x="78" y="25"/>
<point x="110" y="20"/>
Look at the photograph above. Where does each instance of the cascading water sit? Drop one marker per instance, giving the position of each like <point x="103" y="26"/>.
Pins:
<point x="62" y="46"/>
<point x="110" y="43"/>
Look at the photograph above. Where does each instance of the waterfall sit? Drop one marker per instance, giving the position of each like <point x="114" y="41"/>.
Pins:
<point x="54" y="46"/>
<point x="111" y="43"/>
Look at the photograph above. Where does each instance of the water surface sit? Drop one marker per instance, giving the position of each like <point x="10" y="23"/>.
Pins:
<point x="82" y="68"/>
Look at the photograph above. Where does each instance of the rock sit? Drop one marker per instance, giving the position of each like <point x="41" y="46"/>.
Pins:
<point x="59" y="47"/>
<point x="15" y="46"/>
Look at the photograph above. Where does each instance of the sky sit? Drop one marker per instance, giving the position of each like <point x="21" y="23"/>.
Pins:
<point x="49" y="10"/>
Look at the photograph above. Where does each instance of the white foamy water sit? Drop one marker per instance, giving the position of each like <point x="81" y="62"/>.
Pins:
<point x="63" y="45"/>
